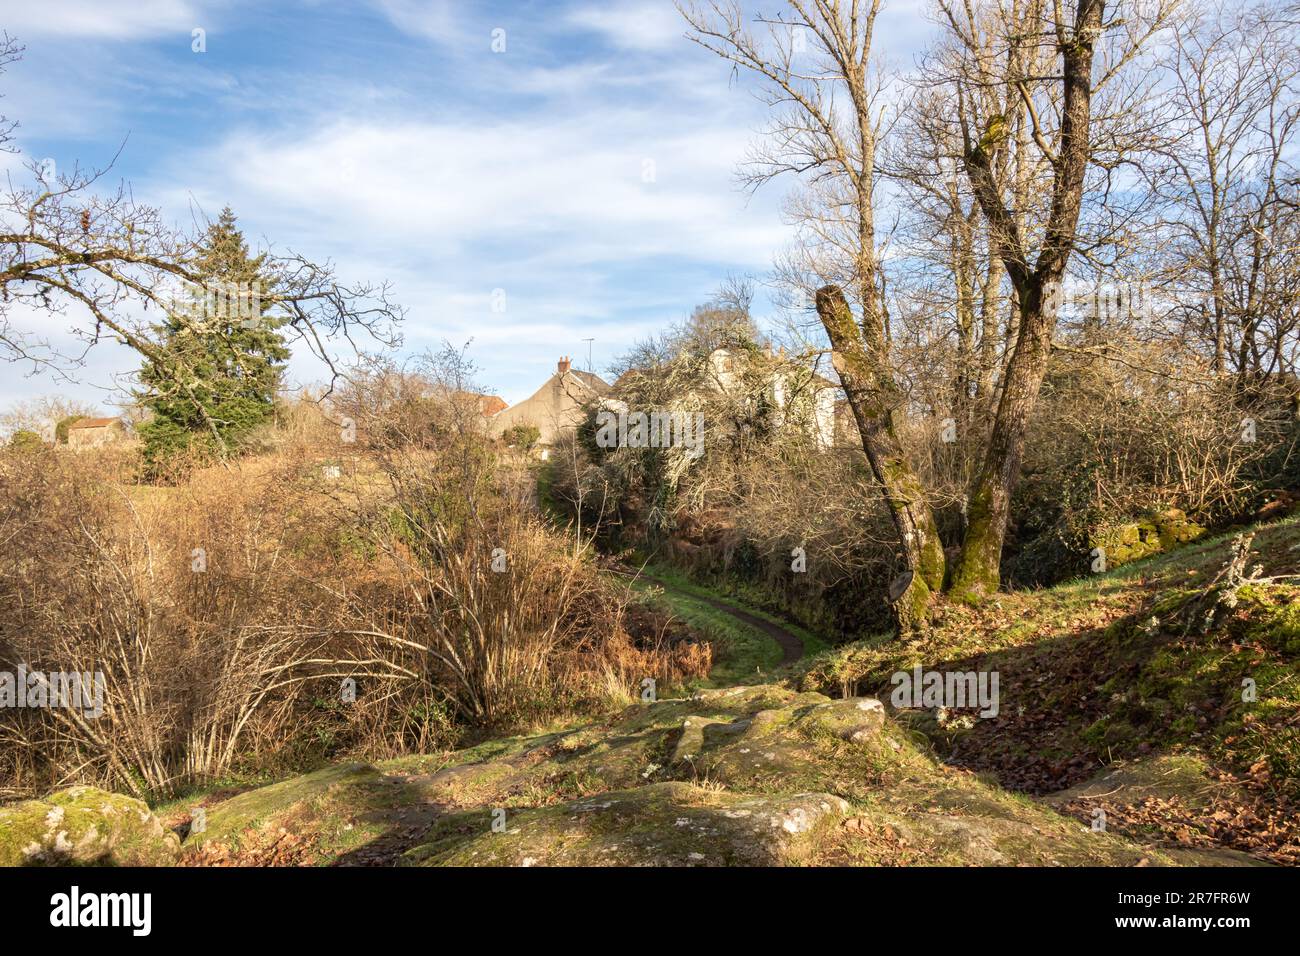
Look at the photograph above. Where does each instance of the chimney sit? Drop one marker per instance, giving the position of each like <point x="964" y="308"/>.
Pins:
<point x="563" y="365"/>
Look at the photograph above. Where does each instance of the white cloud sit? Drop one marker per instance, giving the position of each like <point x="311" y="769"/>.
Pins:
<point x="439" y="20"/>
<point x="107" y="19"/>
<point x="525" y="172"/>
<point x="555" y="212"/>
<point x="620" y="189"/>
<point x="639" y="25"/>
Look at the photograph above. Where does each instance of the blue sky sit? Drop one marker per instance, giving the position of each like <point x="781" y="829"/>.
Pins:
<point x="586" y="171"/>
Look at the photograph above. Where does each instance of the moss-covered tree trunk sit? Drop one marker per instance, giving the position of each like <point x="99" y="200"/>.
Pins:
<point x="875" y="401"/>
<point x="977" y="571"/>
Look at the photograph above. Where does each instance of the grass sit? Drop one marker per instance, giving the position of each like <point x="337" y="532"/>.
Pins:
<point x="1114" y="667"/>
<point x="742" y="654"/>
<point x="812" y="643"/>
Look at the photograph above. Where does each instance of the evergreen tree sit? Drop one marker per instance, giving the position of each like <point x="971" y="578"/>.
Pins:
<point x="221" y="359"/>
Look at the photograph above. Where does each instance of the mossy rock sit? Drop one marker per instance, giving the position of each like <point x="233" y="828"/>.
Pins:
<point x="662" y="824"/>
<point x="467" y="785"/>
<point x="855" y="719"/>
<point x="797" y="747"/>
<point x="331" y="810"/>
<point x="1029" y="839"/>
<point x="1167" y="776"/>
<point x="1154" y="533"/>
<point x="758" y="775"/>
<point x="84" y="826"/>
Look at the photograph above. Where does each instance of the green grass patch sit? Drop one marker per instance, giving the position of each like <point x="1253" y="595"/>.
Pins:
<point x="812" y="643"/>
<point x="742" y="653"/>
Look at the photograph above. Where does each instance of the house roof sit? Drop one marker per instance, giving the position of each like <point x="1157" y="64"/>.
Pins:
<point x="488" y="405"/>
<point x="590" y="380"/>
<point x="573" y="381"/>
<point x="92" y="423"/>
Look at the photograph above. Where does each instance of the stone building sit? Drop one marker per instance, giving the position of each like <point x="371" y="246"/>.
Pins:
<point x="95" y="432"/>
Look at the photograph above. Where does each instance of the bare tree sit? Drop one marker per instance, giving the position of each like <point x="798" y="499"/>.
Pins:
<point x="1069" y="60"/>
<point x="1227" y="180"/>
<point x="814" y="61"/>
<point x="10" y="51"/>
<point x="42" y="415"/>
<point x="1015" y="81"/>
<point x="72" y="245"/>
<point x="950" y="276"/>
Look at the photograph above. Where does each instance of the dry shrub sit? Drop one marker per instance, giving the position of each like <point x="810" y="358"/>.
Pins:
<point x="1119" y="431"/>
<point x="193" y="602"/>
<point x="229" y="611"/>
<point x="1148" y="430"/>
<point x="513" y="622"/>
<point x="735" y="516"/>
<point x="779" y="497"/>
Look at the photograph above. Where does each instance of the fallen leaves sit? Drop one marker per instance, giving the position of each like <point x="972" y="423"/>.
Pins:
<point x="1270" y="831"/>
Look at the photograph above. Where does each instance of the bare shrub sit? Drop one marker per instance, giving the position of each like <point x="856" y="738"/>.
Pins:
<point x="1148" y="429"/>
<point x="192" y="601"/>
<point x="512" y="622"/>
<point x="234" y="612"/>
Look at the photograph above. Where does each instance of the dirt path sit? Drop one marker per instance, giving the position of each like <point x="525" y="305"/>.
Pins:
<point x="790" y="643"/>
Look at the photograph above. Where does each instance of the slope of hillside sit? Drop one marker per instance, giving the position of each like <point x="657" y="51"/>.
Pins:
<point x="1147" y="716"/>
<point x="1181" y="671"/>
<point x="748" y="775"/>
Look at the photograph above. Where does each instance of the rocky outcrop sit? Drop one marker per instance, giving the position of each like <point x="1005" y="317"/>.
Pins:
<point x="84" y="826"/>
<point x="662" y="824"/>
<point x="1153" y="533"/>
<point x="747" y="776"/>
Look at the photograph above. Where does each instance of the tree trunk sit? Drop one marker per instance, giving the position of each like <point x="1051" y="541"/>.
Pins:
<point x="978" y="570"/>
<point x="964" y="281"/>
<point x="990" y="367"/>
<point x="875" y="400"/>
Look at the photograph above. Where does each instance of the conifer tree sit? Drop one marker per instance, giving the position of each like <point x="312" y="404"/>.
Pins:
<point x="221" y="357"/>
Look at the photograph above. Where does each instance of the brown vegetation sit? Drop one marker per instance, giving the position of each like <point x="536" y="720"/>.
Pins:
<point x="227" y="611"/>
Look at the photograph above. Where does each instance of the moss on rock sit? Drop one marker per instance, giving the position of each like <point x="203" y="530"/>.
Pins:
<point x="753" y="775"/>
<point x="84" y="826"/>
<point x="1154" y="533"/>
<point x="663" y="824"/>
<point x="334" y="809"/>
